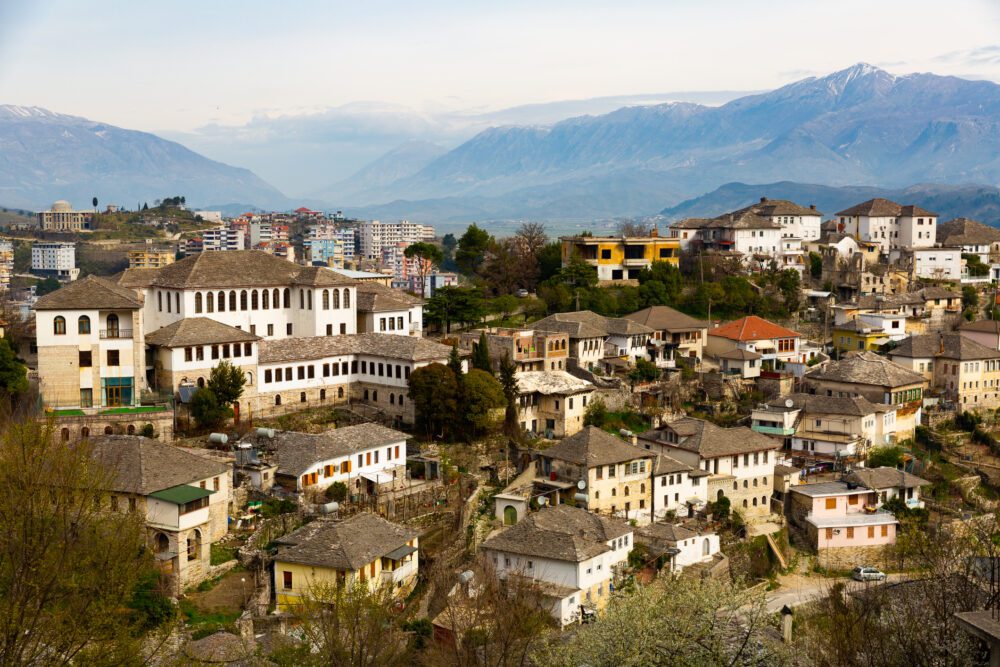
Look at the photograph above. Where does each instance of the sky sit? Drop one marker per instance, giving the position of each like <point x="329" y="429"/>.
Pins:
<point x="215" y="73"/>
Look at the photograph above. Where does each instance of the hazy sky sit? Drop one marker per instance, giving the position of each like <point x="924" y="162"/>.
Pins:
<point x="305" y="93"/>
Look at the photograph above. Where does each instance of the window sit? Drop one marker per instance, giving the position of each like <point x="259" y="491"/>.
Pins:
<point x="113" y="359"/>
<point x="850" y="533"/>
<point x="286" y="580"/>
<point x="197" y="302"/>
<point x="86" y="359"/>
<point x="288" y="329"/>
<point x="59" y="325"/>
<point x="267" y="376"/>
<point x="831" y="503"/>
<point x="83" y="325"/>
<point x="270" y="329"/>
<point x="885" y="531"/>
<point x="86" y="398"/>
<point x="199" y="353"/>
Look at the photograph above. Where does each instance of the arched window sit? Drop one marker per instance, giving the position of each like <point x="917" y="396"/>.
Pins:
<point x="736" y="486"/>
<point x="326" y="299"/>
<point x="249" y="376"/>
<point x="222" y="302"/>
<point x="161" y="543"/>
<point x="108" y="430"/>
<point x="243" y="300"/>
<point x="131" y="429"/>
<point x="626" y="490"/>
<point x="375" y="395"/>
<point x="366" y="394"/>
<point x="744" y="503"/>
<point x="302" y="299"/>
<point x="763" y="500"/>
<point x="336" y="298"/>
<point x="276" y="299"/>
<point x="340" y="392"/>
<point x="265" y="299"/>
<point x="706" y="547"/>
<point x="302" y="397"/>
<point x="347" y="298"/>
<point x="210" y="302"/>
<point x="65" y="434"/>
<point x="392" y="399"/>
<point x="322" y="394"/>
<point x="755" y="481"/>
<point x="85" y="432"/>
<point x="201" y="382"/>
<point x="400" y="400"/>
<point x="59" y="325"/>
<point x="642" y="488"/>
<point x="509" y="515"/>
<point x="232" y="300"/>
<point x="277" y="399"/>
<point x="254" y="300"/>
<point x="159" y="301"/>
<point x="309" y="299"/>
<point x="177" y="302"/>
<point x="614" y="492"/>
<point x="287" y="302"/>
<point x="112" y="326"/>
<point x="745" y="484"/>
<point x="83" y="325"/>
<point x="197" y="302"/>
<point x="194" y="545"/>
<point x="755" y="502"/>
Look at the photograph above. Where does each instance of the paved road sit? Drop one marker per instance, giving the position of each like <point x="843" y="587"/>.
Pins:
<point x="809" y="589"/>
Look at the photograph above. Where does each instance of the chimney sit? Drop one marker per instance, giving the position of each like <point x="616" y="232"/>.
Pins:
<point x="654" y="232"/>
<point x="763" y="199"/>
<point x="812" y="207"/>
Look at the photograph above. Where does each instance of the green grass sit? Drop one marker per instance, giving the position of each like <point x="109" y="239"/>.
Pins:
<point x="133" y="410"/>
<point x="222" y="554"/>
<point x="204" y="624"/>
<point x="67" y="413"/>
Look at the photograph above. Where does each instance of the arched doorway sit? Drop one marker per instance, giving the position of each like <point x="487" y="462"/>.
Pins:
<point x="113" y="326"/>
<point x="706" y="547"/>
<point x="509" y="515"/>
<point x="108" y="430"/>
<point x="720" y="495"/>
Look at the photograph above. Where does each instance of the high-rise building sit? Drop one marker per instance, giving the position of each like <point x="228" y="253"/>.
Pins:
<point x="54" y="259"/>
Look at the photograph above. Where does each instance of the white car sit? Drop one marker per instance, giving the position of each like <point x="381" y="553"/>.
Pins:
<point x="867" y="574"/>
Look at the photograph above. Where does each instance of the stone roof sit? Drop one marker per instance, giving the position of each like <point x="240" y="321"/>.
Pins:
<point x="752" y="327"/>
<point x="711" y="441"/>
<point x="667" y="532"/>
<point x="377" y="298"/>
<point x="944" y="346"/>
<point x="866" y="368"/>
<point x="963" y="231"/>
<point x="742" y="219"/>
<point x="885" y="478"/>
<point x="879" y="208"/>
<point x="243" y="268"/>
<point x="551" y="383"/>
<point x="90" y="293"/>
<point x="666" y="465"/>
<point x="135" y="278"/>
<point x="829" y="405"/>
<point x="587" y="324"/>
<point x="594" y="447"/>
<point x="299" y="453"/>
<point x="666" y="319"/>
<point x="820" y="489"/>
<point x="771" y="207"/>
<point x="198" y="331"/>
<point x="219" y="648"/>
<point x="142" y="466"/>
<point x="561" y="533"/>
<point x="983" y="326"/>
<point x="343" y="544"/>
<point x="407" y="348"/>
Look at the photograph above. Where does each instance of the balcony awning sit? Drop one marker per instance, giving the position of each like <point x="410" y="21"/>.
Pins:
<point x="181" y="495"/>
<point x="401" y="553"/>
<point x="377" y="477"/>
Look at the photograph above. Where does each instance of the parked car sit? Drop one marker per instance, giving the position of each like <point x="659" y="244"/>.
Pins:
<point x="522" y="293"/>
<point x="867" y="574"/>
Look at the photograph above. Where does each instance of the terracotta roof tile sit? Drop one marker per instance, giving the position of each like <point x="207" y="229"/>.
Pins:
<point x="752" y="327"/>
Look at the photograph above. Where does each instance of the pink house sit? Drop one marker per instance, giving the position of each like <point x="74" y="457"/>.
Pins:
<point x="837" y="515"/>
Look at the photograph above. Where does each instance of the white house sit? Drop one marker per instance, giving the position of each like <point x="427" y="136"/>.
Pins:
<point x="593" y="337"/>
<point x="677" y="487"/>
<point x="774" y="343"/>
<point x="681" y="545"/>
<point x="890" y="225"/>
<point x="552" y="402"/>
<point x="571" y="555"/>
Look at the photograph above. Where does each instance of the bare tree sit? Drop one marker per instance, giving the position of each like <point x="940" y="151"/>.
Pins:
<point x="68" y="561"/>
<point x="634" y="228"/>
<point x="531" y="237"/>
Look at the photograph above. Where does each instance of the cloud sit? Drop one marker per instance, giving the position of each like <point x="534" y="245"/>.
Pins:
<point x="980" y="56"/>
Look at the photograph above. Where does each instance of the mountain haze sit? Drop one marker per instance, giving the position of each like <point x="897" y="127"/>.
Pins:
<point x="45" y="156"/>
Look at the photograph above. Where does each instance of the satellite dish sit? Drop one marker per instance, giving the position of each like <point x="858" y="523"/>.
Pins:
<point x="582" y="484"/>
<point x="789" y="402"/>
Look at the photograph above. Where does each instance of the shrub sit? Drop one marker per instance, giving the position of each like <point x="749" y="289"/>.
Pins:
<point x="337" y="492"/>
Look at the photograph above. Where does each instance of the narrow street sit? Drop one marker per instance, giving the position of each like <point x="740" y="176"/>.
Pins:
<point x="797" y="589"/>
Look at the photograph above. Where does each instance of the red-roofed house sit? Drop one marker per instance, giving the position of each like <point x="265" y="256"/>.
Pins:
<point x="772" y="342"/>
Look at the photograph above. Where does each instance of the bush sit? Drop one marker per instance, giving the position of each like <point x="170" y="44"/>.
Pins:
<point x="890" y="457"/>
<point x="206" y="409"/>
<point x="147" y="431"/>
<point x="337" y="492"/>
<point x="596" y="414"/>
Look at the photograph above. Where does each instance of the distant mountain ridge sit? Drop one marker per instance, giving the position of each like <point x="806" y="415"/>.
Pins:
<point x="858" y="125"/>
<point x="45" y="156"/>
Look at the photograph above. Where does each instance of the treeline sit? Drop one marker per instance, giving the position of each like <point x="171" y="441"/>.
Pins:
<point x="495" y="270"/>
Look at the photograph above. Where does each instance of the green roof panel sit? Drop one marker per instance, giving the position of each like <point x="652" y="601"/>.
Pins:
<point x="181" y="495"/>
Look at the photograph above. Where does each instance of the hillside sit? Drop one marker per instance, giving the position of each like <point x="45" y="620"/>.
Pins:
<point x="45" y="156"/>
<point x="859" y="125"/>
<point x="948" y="201"/>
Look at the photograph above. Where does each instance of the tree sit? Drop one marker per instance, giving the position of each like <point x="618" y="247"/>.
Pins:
<point x="337" y="492"/>
<point x="634" y="228"/>
<point x="353" y="625"/>
<point x="433" y="390"/>
<point x="207" y="410"/>
<point x="644" y="371"/>
<point x="13" y="374"/>
<point x="504" y="305"/>
<point x="94" y="202"/>
<point x="226" y="381"/>
<point x="471" y="250"/>
<point x="481" y="354"/>
<point x="531" y="237"/>
<point x="455" y="361"/>
<point x="454" y="304"/>
<point x="68" y="566"/>
<point x="480" y="399"/>
<point x="508" y="382"/>
<point x="507" y="267"/>
<point x="890" y="456"/>
<point x="790" y="284"/>
<point x="815" y="265"/>
<point x="46" y="286"/>
<point x="596" y="414"/>
<point x="549" y="258"/>
<point x="970" y="297"/>
<point x="428" y="256"/>
<point x="578" y="273"/>
<point x="674" y="621"/>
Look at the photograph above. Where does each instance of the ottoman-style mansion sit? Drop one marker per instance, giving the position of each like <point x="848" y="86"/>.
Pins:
<point x="106" y="344"/>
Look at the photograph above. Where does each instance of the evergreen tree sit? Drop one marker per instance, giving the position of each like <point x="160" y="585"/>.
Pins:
<point x="481" y="354"/>
<point x="455" y="361"/>
<point x="13" y="374"/>
<point x="226" y="382"/>
<point x="508" y="380"/>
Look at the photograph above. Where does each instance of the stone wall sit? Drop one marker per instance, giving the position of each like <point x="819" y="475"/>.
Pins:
<point x="847" y="558"/>
<point x="76" y="428"/>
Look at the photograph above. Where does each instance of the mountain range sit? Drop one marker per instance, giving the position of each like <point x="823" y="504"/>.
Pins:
<point x="861" y="125"/>
<point x="45" y="156"/>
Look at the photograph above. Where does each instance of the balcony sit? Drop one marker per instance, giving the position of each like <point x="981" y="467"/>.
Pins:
<point x="116" y="333"/>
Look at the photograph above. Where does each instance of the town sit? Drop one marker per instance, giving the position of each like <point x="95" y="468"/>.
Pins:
<point x="304" y="437"/>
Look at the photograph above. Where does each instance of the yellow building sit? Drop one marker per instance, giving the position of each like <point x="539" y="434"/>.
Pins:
<point x="959" y="369"/>
<point x="332" y="552"/>
<point x="619" y="258"/>
<point x="150" y="258"/>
